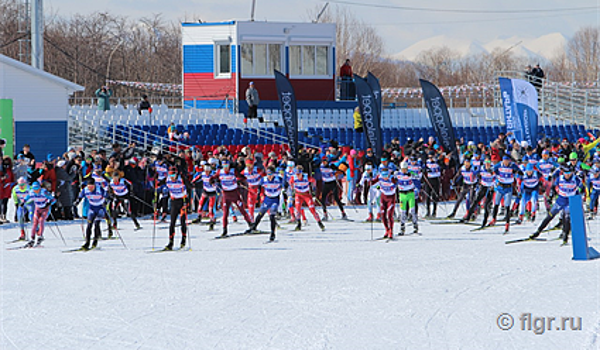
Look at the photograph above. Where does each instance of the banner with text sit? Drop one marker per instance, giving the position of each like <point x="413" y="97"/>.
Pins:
<point x="520" y="105"/>
<point x="370" y="113"/>
<point x="439" y="116"/>
<point x="289" y="112"/>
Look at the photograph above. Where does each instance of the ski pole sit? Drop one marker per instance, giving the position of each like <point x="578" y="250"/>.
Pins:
<point x="81" y="225"/>
<point x="142" y="201"/>
<point x="372" y="227"/>
<point x="183" y="213"/>
<point x="57" y="228"/>
<point x="155" y="213"/>
<point x="120" y="238"/>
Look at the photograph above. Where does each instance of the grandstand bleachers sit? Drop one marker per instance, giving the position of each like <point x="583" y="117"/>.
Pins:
<point x="220" y="127"/>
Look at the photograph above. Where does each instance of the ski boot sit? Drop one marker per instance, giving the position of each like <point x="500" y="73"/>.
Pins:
<point x="183" y="241"/>
<point x="211" y="226"/>
<point x="163" y="218"/>
<point x="344" y="216"/>
<point x="388" y="234"/>
<point x="321" y="226"/>
<point x="137" y="227"/>
<point x="110" y="232"/>
<point x="169" y="246"/>
<point x="30" y="244"/>
<point x="94" y="244"/>
<point x="324" y="218"/>
<point x="85" y="246"/>
<point x="519" y="220"/>
<point x="272" y="237"/>
<point x="39" y="241"/>
<point x="234" y="218"/>
<point x="402" y="230"/>
<point x="534" y="235"/>
<point x="450" y="216"/>
<point x="492" y="223"/>
<point x="370" y="218"/>
<point x="416" y="229"/>
<point x="532" y="217"/>
<point x="224" y="234"/>
<point x="298" y="226"/>
<point x="22" y="237"/>
<point x="197" y="220"/>
<point x="378" y="218"/>
<point x="506" y="228"/>
<point x="250" y="229"/>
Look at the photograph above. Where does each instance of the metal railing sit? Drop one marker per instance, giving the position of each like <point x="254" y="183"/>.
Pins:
<point x="574" y="105"/>
<point x="99" y="133"/>
<point x="176" y="102"/>
<point x="95" y="133"/>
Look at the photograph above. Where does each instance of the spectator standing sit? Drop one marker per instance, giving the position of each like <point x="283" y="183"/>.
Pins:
<point x="529" y="73"/>
<point x="64" y="190"/>
<point x="144" y="105"/>
<point x="20" y="167"/>
<point x="26" y="152"/>
<point x="346" y="70"/>
<point x="253" y="100"/>
<point x="537" y="74"/>
<point x="104" y="94"/>
<point x="347" y="85"/>
<point x="7" y="182"/>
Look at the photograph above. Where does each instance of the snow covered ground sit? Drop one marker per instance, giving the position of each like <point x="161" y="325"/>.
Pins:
<point x="311" y="290"/>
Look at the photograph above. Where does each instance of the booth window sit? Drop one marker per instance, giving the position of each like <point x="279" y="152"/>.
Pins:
<point x="309" y="60"/>
<point x="260" y="59"/>
<point x="223" y="60"/>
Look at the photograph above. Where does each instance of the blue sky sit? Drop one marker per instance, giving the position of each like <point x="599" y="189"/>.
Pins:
<point x="399" y="28"/>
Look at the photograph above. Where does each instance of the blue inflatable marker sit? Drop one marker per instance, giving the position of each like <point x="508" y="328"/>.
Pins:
<point x="581" y="251"/>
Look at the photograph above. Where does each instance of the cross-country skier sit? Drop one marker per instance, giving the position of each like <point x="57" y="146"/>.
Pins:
<point x="19" y="194"/>
<point x="209" y="192"/>
<point x="468" y="175"/>
<point x="96" y="197"/>
<point x="253" y="177"/>
<point x="178" y="192"/>
<point x="415" y="168"/>
<point x="42" y="201"/>
<point x="272" y="185"/>
<point x="373" y="192"/>
<point x="406" y="189"/>
<point x="433" y="172"/>
<point x="301" y="185"/>
<point x="567" y="185"/>
<point x="101" y="180"/>
<point x="487" y="178"/>
<point x="231" y="195"/>
<point x="328" y="174"/>
<point x="593" y="185"/>
<point x="387" y="186"/>
<point x="530" y="186"/>
<point x="505" y="178"/>
<point x="546" y="167"/>
<point x="120" y="191"/>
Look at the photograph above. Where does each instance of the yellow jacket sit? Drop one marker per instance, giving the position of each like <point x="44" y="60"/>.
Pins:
<point x="358" y="123"/>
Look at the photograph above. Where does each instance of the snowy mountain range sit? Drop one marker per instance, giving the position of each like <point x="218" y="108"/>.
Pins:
<point x="541" y="48"/>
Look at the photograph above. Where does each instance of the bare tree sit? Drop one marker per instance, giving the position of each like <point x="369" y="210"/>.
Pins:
<point x="356" y="40"/>
<point x="583" y="52"/>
